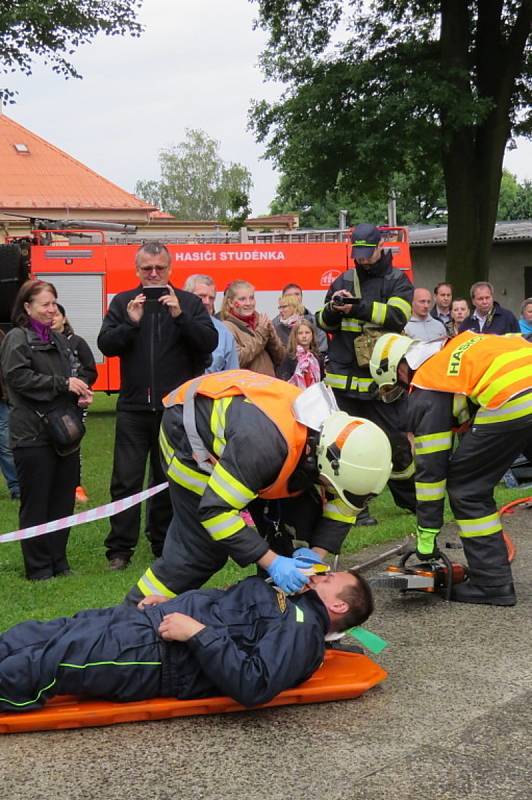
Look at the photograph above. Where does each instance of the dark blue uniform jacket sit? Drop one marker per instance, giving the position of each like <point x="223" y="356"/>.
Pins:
<point x="256" y="643"/>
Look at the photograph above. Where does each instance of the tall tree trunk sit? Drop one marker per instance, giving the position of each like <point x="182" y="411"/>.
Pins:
<point x="463" y="213"/>
<point x="458" y="152"/>
<point x="473" y="156"/>
<point x="473" y="171"/>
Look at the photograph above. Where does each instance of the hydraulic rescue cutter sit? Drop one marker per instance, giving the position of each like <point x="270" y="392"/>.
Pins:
<point x="439" y="574"/>
<point x="435" y="575"/>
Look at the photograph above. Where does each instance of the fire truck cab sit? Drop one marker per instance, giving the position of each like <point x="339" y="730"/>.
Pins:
<point x="88" y="267"/>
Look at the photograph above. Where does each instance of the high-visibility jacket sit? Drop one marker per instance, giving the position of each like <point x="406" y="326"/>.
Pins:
<point x="273" y="397"/>
<point x="488" y="369"/>
<point x="385" y="303"/>
<point x="495" y="373"/>
<point x="249" y="453"/>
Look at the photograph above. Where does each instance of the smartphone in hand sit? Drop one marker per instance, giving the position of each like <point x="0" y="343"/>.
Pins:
<point x="153" y="293"/>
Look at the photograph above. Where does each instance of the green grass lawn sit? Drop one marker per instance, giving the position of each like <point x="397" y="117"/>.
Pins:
<point x="93" y="584"/>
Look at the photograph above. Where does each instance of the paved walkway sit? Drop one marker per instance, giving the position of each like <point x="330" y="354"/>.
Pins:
<point x="453" y="721"/>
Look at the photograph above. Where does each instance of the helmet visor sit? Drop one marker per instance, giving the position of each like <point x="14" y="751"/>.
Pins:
<point x="390" y="392"/>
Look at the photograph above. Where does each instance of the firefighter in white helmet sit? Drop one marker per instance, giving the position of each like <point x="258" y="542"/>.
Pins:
<point x="474" y="381"/>
<point x="237" y="440"/>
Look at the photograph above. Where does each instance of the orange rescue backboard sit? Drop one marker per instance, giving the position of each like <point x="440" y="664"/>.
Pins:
<point x="342" y="676"/>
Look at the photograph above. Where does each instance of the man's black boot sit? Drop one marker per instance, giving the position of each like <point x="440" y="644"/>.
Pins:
<point x="484" y="595"/>
<point x="364" y="518"/>
<point x="490" y="574"/>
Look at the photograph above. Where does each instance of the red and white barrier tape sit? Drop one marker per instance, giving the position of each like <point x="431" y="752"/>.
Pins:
<point x="84" y="516"/>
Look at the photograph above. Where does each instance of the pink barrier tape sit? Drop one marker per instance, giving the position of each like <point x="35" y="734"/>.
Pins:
<point x="85" y="516"/>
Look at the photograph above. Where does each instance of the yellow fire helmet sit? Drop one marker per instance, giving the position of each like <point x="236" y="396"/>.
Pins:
<point x="389" y="349"/>
<point x="355" y="457"/>
<point x="388" y="352"/>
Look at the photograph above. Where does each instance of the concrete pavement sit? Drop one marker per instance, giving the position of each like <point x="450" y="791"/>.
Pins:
<point x="453" y="720"/>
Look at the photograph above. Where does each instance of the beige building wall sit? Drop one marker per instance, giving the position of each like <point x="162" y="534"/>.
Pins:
<point x="510" y="270"/>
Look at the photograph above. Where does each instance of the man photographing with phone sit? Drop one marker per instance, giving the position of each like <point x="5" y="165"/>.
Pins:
<point x="149" y="300"/>
<point x="163" y="336"/>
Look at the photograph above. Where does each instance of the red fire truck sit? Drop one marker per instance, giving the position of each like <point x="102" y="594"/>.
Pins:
<point x="88" y="267"/>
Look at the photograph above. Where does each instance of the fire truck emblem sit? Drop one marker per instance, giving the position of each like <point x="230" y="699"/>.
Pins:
<point x="328" y="277"/>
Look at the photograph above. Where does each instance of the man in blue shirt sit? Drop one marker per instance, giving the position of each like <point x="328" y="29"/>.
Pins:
<point x="225" y="356"/>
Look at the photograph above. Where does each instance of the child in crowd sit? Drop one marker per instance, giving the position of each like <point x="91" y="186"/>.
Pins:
<point x="303" y="364"/>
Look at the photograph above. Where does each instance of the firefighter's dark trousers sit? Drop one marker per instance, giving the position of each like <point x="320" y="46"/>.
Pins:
<point x="110" y="653"/>
<point x="484" y="454"/>
<point x="189" y="555"/>
<point x="390" y="418"/>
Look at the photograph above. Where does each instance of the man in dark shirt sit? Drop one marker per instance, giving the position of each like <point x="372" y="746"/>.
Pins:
<point x="163" y="337"/>
<point x="250" y="642"/>
<point x="488" y="316"/>
<point x="443" y="298"/>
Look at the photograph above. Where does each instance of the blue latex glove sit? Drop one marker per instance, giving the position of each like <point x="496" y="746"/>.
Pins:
<point x="308" y="555"/>
<point x="285" y="574"/>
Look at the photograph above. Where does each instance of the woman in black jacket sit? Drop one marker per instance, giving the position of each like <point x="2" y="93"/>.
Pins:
<point x="38" y="369"/>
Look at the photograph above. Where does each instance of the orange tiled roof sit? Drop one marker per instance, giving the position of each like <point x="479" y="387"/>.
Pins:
<point x="43" y="176"/>
<point x="161" y="215"/>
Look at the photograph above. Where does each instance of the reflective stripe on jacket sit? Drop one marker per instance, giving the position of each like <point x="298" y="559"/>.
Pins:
<point x="273" y="397"/>
<point x="385" y="302"/>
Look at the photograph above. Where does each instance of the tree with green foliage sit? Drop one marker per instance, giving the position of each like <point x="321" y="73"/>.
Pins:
<point x="420" y="199"/>
<point x="408" y="84"/>
<point x="197" y="184"/>
<point x="53" y="29"/>
<point x="515" y="200"/>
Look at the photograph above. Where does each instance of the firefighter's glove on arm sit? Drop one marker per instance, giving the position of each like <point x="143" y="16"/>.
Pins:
<point x="426" y="546"/>
<point x="286" y="574"/>
<point x="308" y="554"/>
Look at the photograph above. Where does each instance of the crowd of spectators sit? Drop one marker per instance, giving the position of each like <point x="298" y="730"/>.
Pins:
<point x="164" y="335"/>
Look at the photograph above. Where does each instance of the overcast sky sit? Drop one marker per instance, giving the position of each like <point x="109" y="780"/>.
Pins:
<point x="195" y="66"/>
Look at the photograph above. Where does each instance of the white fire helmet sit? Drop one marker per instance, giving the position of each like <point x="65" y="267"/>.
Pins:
<point x="389" y="350"/>
<point x="355" y="457"/>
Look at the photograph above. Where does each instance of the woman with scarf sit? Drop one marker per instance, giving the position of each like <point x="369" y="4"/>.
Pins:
<point x="303" y="365"/>
<point x="525" y="320"/>
<point x="258" y="345"/>
<point x="291" y="311"/>
<point x="38" y="372"/>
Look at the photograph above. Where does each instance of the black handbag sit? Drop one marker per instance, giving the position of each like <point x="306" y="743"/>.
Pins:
<point x="65" y="427"/>
<point x="62" y="418"/>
